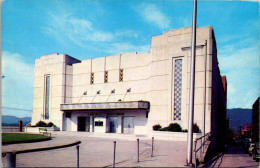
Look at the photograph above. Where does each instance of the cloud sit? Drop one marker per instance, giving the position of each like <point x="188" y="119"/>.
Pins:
<point x="126" y="33"/>
<point x="151" y="14"/>
<point x="240" y="63"/>
<point x="252" y="0"/>
<point x="184" y="21"/>
<point x="81" y="31"/>
<point x="66" y="28"/>
<point x="14" y="67"/>
<point x="238" y="59"/>
<point x="17" y="84"/>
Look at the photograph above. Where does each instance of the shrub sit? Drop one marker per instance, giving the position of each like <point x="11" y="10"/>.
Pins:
<point x="196" y="128"/>
<point x="163" y="129"/>
<point x="174" y="127"/>
<point x="185" y="130"/>
<point x="157" y="127"/>
<point x="41" y="124"/>
<point x="50" y="124"/>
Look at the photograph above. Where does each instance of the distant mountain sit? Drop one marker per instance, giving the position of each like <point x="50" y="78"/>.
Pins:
<point x="12" y="120"/>
<point x="239" y="117"/>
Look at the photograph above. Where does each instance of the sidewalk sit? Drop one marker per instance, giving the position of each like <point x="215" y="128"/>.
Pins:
<point x="233" y="157"/>
<point x="96" y="150"/>
<point x="166" y="154"/>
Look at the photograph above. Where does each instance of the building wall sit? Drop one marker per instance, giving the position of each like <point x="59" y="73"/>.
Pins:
<point x="167" y="48"/>
<point x="255" y="120"/>
<point x="219" y="105"/>
<point x="54" y="66"/>
<point x="149" y="75"/>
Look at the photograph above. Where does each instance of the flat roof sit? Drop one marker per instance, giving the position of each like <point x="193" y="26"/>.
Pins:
<point x="145" y="105"/>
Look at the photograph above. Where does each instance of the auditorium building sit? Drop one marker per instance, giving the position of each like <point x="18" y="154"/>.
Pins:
<point x="131" y="92"/>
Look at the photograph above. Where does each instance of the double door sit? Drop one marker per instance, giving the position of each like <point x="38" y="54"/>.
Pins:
<point x="83" y="124"/>
<point x="128" y="125"/>
<point x="113" y="124"/>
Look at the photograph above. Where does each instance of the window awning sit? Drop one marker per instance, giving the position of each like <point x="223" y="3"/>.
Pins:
<point x="145" y="105"/>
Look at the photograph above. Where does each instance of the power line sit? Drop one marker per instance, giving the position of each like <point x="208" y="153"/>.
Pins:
<point x="10" y="108"/>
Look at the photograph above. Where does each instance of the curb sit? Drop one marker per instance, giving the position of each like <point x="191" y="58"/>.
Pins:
<point x="43" y="149"/>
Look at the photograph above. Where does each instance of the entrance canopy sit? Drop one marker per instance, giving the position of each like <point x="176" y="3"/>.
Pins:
<point x="145" y="105"/>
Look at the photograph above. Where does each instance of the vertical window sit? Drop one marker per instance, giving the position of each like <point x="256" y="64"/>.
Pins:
<point x="177" y="88"/>
<point x="121" y="75"/>
<point x="106" y="77"/>
<point x="47" y="97"/>
<point x="92" y="78"/>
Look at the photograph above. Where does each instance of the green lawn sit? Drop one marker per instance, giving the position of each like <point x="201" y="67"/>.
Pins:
<point x="18" y="137"/>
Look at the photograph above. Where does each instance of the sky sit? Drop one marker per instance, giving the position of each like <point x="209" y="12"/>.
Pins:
<point x="87" y="29"/>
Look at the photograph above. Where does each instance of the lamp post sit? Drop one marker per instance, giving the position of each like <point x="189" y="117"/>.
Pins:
<point x="192" y="79"/>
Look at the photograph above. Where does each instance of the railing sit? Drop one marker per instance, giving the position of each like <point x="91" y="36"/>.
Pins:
<point x="11" y="129"/>
<point x="203" y="141"/>
<point x="9" y="158"/>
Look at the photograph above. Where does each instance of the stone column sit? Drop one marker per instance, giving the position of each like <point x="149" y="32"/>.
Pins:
<point x="91" y="126"/>
<point x="120" y="124"/>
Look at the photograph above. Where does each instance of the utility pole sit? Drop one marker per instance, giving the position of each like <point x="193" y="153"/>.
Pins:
<point x="192" y="83"/>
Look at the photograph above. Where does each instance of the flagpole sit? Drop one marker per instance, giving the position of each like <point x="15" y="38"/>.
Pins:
<point x="1" y="69"/>
<point x="192" y="83"/>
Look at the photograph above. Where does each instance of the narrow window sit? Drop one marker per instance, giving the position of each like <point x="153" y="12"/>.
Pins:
<point x="121" y="75"/>
<point x="92" y="78"/>
<point x="177" y="89"/>
<point x="106" y="77"/>
<point x="47" y="97"/>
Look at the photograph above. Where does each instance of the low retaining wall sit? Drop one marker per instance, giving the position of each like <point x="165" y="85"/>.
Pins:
<point x="160" y="135"/>
<point x="36" y="129"/>
<point x="176" y="136"/>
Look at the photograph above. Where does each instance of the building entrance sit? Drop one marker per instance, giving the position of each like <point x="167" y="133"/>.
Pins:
<point x="128" y="125"/>
<point x="113" y="124"/>
<point x="83" y="124"/>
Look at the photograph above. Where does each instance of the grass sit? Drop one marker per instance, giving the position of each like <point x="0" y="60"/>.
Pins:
<point x="21" y="137"/>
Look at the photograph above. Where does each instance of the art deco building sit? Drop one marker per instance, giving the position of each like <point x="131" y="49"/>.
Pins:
<point x="131" y="92"/>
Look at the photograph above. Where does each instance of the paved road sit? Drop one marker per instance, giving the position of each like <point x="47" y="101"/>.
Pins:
<point x="234" y="157"/>
<point x="96" y="150"/>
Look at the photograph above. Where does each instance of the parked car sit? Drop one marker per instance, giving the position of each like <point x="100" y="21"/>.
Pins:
<point x="256" y="152"/>
<point x="246" y="144"/>
<point x="250" y="148"/>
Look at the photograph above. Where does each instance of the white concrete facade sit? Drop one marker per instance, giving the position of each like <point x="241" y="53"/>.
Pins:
<point x="148" y="77"/>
